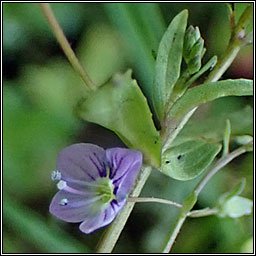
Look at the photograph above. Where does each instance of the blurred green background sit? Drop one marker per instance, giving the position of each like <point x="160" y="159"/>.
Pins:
<point x="40" y="90"/>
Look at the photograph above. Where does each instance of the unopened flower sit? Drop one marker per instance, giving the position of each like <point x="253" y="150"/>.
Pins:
<point x="93" y="184"/>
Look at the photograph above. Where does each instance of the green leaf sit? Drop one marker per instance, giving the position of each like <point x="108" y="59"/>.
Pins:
<point x="168" y="62"/>
<point x="187" y="160"/>
<point x="239" y="9"/>
<point x="208" y="92"/>
<point x="120" y="106"/>
<point x="236" y="207"/>
<point x="188" y="203"/>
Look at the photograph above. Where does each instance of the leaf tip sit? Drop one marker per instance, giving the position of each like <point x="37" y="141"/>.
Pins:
<point x="185" y="12"/>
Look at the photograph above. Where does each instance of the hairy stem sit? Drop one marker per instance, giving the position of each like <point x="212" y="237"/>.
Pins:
<point x="49" y="15"/>
<point x="112" y="233"/>
<point x="219" y="164"/>
<point x="176" y="229"/>
<point x="202" y="212"/>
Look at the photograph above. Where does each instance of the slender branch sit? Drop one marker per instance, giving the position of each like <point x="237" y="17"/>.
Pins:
<point x="177" y="227"/>
<point x="202" y="213"/>
<point x="193" y="214"/>
<point x="111" y="235"/>
<point x="152" y="200"/>
<point x="184" y="212"/>
<point x="49" y="15"/>
<point x="219" y="164"/>
<point x="225" y="62"/>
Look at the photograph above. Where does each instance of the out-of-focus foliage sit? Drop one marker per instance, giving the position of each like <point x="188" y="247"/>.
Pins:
<point x="40" y="90"/>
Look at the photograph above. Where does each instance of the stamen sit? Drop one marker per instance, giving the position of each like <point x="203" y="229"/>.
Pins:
<point x="56" y="175"/>
<point x="77" y="192"/>
<point x="64" y="201"/>
<point x="61" y="184"/>
<point x="82" y="183"/>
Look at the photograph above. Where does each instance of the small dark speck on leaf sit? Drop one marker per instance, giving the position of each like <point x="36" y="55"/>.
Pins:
<point x="179" y="157"/>
<point x="167" y="161"/>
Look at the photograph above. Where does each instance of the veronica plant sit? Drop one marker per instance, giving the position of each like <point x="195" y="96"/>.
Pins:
<point x="94" y="183"/>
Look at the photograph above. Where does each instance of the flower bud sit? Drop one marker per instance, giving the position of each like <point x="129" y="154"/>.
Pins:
<point x="197" y="33"/>
<point x="197" y="49"/>
<point x="193" y="49"/>
<point x="194" y="64"/>
<point x="189" y="41"/>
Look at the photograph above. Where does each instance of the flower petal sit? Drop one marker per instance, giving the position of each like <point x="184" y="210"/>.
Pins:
<point x="83" y="162"/>
<point x="101" y="219"/>
<point x="77" y="209"/>
<point x="124" y="165"/>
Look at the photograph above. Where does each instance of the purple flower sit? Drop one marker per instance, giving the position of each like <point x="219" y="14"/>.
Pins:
<point x="93" y="184"/>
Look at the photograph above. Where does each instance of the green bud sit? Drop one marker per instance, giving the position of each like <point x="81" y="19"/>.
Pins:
<point x="236" y="207"/>
<point x="194" y="64"/>
<point x="197" y="33"/>
<point x="232" y="205"/>
<point x="197" y="49"/>
<point x="191" y="37"/>
<point x="189" y="41"/>
<point x="243" y="139"/>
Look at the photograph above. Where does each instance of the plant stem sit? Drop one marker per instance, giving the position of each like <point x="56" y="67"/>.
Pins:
<point x="49" y="15"/>
<point x="111" y="235"/>
<point x="152" y="200"/>
<point x="225" y="62"/>
<point x="219" y="164"/>
<point x="194" y="194"/>
<point x="201" y="213"/>
<point x="177" y="227"/>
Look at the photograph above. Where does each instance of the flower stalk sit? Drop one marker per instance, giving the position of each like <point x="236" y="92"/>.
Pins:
<point x="153" y="200"/>
<point x="57" y="31"/>
<point x="112" y="233"/>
